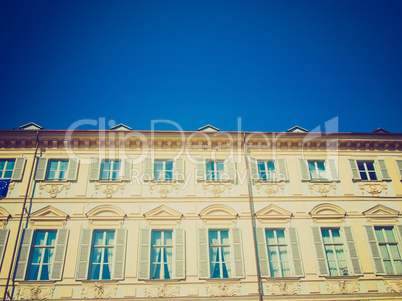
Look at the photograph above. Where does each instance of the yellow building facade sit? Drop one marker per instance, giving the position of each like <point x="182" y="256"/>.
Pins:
<point x="123" y="214"/>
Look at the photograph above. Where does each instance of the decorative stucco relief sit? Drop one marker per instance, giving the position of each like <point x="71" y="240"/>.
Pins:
<point x="163" y="188"/>
<point x="162" y="291"/>
<point x="283" y="288"/>
<point x="373" y="188"/>
<point x="223" y="290"/>
<point x="393" y="286"/>
<point x="98" y="291"/>
<point x="217" y="188"/>
<point x="35" y="292"/>
<point x="322" y="188"/>
<point x="343" y="287"/>
<point x="54" y="188"/>
<point x="270" y="188"/>
<point x="109" y="188"/>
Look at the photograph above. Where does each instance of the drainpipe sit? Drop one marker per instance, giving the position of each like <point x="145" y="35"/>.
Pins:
<point x="252" y="219"/>
<point x="18" y="239"/>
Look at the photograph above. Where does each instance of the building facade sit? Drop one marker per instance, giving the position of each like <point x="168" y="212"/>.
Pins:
<point x="123" y="214"/>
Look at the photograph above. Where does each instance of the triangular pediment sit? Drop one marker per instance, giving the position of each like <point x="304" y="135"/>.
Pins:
<point x="273" y="211"/>
<point x="208" y="128"/>
<point x="30" y="126"/>
<point x="297" y="129"/>
<point x="327" y="211"/>
<point x="163" y="212"/>
<point x="106" y="212"/>
<point x="48" y="213"/>
<point x="381" y="211"/>
<point x="121" y="127"/>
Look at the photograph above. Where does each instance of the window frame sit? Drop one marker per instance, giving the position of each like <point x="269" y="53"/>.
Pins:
<point x="219" y="252"/>
<point x="110" y="171"/>
<point x="333" y="245"/>
<point x="103" y="248"/>
<point x="317" y="171"/>
<point x="57" y="171"/>
<point x="163" y="171"/>
<point x="214" y="175"/>
<point x="277" y="246"/>
<point x="163" y="248"/>
<point x="272" y="174"/>
<point x="387" y="245"/>
<point x="5" y="170"/>
<point x="366" y="171"/>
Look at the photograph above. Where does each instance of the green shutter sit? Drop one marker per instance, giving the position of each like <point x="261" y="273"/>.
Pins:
<point x="375" y="251"/>
<point x="332" y="168"/>
<point x="120" y="254"/>
<point x="354" y="257"/>
<point x="59" y="254"/>
<point x="84" y="254"/>
<point x="253" y="168"/>
<point x="18" y="169"/>
<point x="72" y="171"/>
<point x="41" y="169"/>
<point x="237" y="246"/>
<point x="145" y="253"/>
<point x="383" y="170"/>
<point x="95" y="169"/>
<point x="203" y="253"/>
<point x="354" y="169"/>
<point x="230" y="169"/>
<point x="148" y="169"/>
<point x="262" y="252"/>
<point x="399" y="164"/>
<point x="200" y="169"/>
<point x="179" y="254"/>
<point x="320" y="252"/>
<point x="295" y="251"/>
<point x="281" y="173"/>
<point x="23" y="258"/>
<point x="126" y="170"/>
<point x="179" y="169"/>
<point x="305" y="174"/>
<point x="3" y="243"/>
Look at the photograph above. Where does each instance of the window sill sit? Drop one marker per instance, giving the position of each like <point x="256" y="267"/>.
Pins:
<point x="161" y="280"/>
<point x="221" y="279"/>
<point x="216" y="182"/>
<point x="270" y="182"/>
<point x="99" y="280"/>
<point x="37" y="282"/>
<point x="109" y="181"/>
<point x="342" y="277"/>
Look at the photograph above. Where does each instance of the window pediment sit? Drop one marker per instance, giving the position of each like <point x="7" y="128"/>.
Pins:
<point x="327" y="211"/>
<point x="163" y="212"/>
<point x="218" y="212"/>
<point x="273" y="211"/>
<point x="49" y="213"/>
<point x="106" y="212"/>
<point x="381" y="213"/>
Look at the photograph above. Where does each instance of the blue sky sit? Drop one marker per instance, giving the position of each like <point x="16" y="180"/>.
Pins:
<point x="274" y="64"/>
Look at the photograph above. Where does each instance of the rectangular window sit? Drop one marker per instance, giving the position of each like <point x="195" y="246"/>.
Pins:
<point x="6" y="168"/>
<point x="161" y="255"/>
<point x="266" y="171"/>
<point x="110" y="170"/>
<point x="317" y="171"/>
<point x="42" y="255"/>
<point x="389" y="250"/>
<point x="163" y="170"/>
<point x="334" y="252"/>
<point x="215" y="170"/>
<point x="367" y="170"/>
<point x="57" y="170"/>
<point x="219" y="254"/>
<point x="102" y="255"/>
<point x="277" y="253"/>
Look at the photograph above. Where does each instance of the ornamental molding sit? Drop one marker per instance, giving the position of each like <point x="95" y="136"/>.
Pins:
<point x="98" y="291"/>
<point x="271" y="188"/>
<point x="106" y="212"/>
<point x="393" y="286"/>
<point x="283" y="288"/>
<point x="35" y="292"/>
<point x="163" y="187"/>
<point x="273" y="212"/>
<point x="223" y="290"/>
<point x="163" y="212"/>
<point x="343" y="287"/>
<point x="162" y="291"/>
<point x="322" y="188"/>
<point x="109" y="188"/>
<point x="11" y="185"/>
<point x="217" y="187"/>
<point x="54" y="188"/>
<point x="48" y="213"/>
<point x="4" y="215"/>
<point x="373" y="188"/>
<point x="325" y="211"/>
<point x="381" y="214"/>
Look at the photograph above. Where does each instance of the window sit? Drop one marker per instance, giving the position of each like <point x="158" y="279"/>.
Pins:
<point x="163" y="170"/>
<point x="389" y="250"/>
<point x="42" y="255"/>
<point x="266" y="171"/>
<point x="369" y="170"/>
<point x="6" y="169"/>
<point x="110" y="170"/>
<point x="366" y="170"/>
<point x="219" y="254"/>
<point x="57" y="170"/>
<point x="277" y="253"/>
<point x="334" y="252"/>
<point x="161" y="257"/>
<point x="102" y="255"/>
<point x="215" y="170"/>
<point x="317" y="171"/>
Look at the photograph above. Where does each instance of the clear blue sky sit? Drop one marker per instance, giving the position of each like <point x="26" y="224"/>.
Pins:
<point x="275" y="64"/>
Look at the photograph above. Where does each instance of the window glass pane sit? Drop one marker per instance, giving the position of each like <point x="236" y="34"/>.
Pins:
<point x="169" y="165"/>
<point x="373" y="176"/>
<point x="105" y="175"/>
<point x="379" y="233"/>
<point x="36" y="255"/>
<point x="45" y="273"/>
<point x="10" y="165"/>
<point x="116" y="165"/>
<point x="360" y="165"/>
<point x="8" y="174"/>
<point x="51" y="238"/>
<point x="394" y="252"/>
<point x="336" y="235"/>
<point x="47" y="257"/>
<point x="321" y="166"/>
<point x="168" y="176"/>
<point x="363" y="176"/>
<point x="398" y="267"/>
<point x="283" y="254"/>
<point x="390" y="234"/>
<point x="213" y="237"/>
<point x="108" y="253"/>
<point x="311" y="166"/>
<point x="106" y="165"/>
<point x="261" y="166"/>
<point x="155" y="271"/>
<point x="274" y="267"/>
<point x="210" y="166"/>
<point x="271" y="166"/>
<point x="340" y="255"/>
<point x="226" y="269"/>
<point x="343" y="268"/>
<point x="109" y="238"/>
<point x="168" y="238"/>
<point x="168" y="260"/>
<point x="107" y="272"/>
<point x="219" y="166"/>
<point x="333" y="269"/>
<point x="33" y="272"/>
<point x="286" y="269"/>
<point x="225" y="237"/>
<point x="325" y="236"/>
<point x="53" y="165"/>
<point x="384" y="252"/>
<point x="156" y="238"/>
<point x="370" y="166"/>
<point x="158" y="165"/>
<point x="388" y="267"/>
<point x="270" y="236"/>
<point x="2" y="164"/>
<point x="63" y="165"/>
<point x="95" y="270"/>
<point x="281" y="236"/>
<point x="330" y="252"/>
<point x="273" y="253"/>
<point x="40" y="238"/>
<point x="96" y="255"/>
<point x="98" y="238"/>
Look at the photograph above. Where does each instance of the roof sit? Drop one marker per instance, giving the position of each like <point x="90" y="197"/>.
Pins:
<point x="30" y="126"/>
<point x="121" y="126"/>
<point x="297" y="129"/>
<point x="208" y="128"/>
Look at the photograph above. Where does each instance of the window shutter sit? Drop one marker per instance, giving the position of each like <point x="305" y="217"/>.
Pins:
<point x="237" y="253"/>
<point x="59" y="254"/>
<point x="375" y="252"/>
<point x="23" y="259"/>
<point x="262" y="252"/>
<point x="120" y="254"/>
<point x="179" y="254"/>
<point x="72" y="169"/>
<point x="320" y="252"/>
<point x="295" y="251"/>
<point x="230" y="169"/>
<point x="400" y="232"/>
<point x="354" y="257"/>
<point x="305" y="174"/>
<point x="282" y="173"/>
<point x="145" y="252"/>
<point x="203" y="253"/>
<point x="179" y="166"/>
<point x="354" y="169"/>
<point x="200" y="169"/>
<point x="41" y="169"/>
<point x="332" y="168"/>
<point x="383" y="170"/>
<point x="3" y="243"/>
<point x="126" y="170"/>
<point x="148" y="169"/>
<point x="95" y="169"/>
<point x="18" y="169"/>
<point x="252" y="163"/>
<point x="84" y="254"/>
<point x="399" y="164"/>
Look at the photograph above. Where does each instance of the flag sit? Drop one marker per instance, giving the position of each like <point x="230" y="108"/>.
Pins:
<point x="4" y="187"/>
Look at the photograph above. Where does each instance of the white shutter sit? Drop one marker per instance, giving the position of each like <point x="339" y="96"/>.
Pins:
<point x="200" y="169"/>
<point x="253" y="168"/>
<point x="3" y="243"/>
<point x="354" y="169"/>
<point x="148" y="169"/>
<point x="375" y="250"/>
<point x="41" y="169"/>
<point x="281" y="173"/>
<point x="320" y="252"/>
<point x="95" y="169"/>
<point x="230" y="169"/>
<point x="262" y="252"/>
<point x="119" y="254"/>
<point x="295" y="251"/>
<point x="84" y="254"/>
<point x="23" y="259"/>
<point x="179" y="254"/>
<point x="237" y="247"/>
<point x="203" y="253"/>
<point x="126" y="170"/>
<point x="179" y="169"/>
<point x="145" y="253"/>
<point x="354" y="257"/>
<point x="18" y="169"/>
<point x="382" y="166"/>
<point x="304" y="172"/>
<point x="332" y="168"/>
<point x="399" y="165"/>
<point x="59" y="254"/>
<point x="72" y="171"/>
